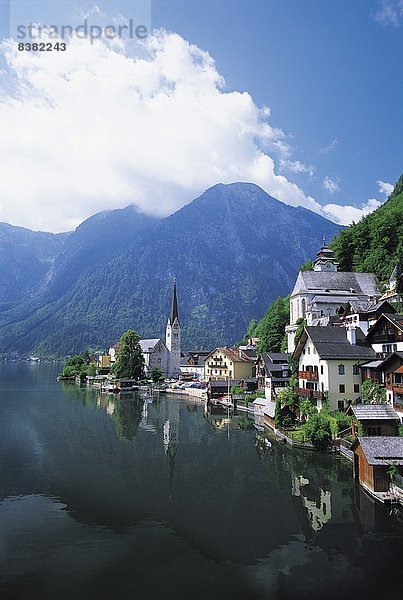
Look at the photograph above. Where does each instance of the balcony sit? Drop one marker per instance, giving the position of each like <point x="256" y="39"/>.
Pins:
<point x="397" y="388"/>
<point x="308" y="375"/>
<point x="385" y="338"/>
<point x="306" y="393"/>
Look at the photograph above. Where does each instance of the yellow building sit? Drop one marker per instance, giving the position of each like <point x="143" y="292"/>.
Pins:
<point x="231" y="363"/>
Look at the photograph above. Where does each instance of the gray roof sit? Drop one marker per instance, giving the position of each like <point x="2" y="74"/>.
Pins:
<point x="364" y="284"/>
<point x="382" y="450"/>
<point x="270" y="408"/>
<point x="340" y="298"/>
<point x="332" y="342"/>
<point x="148" y="345"/>
<point x="366" y="412"/>
<point x="374" y="364"/>
<point x="283" y="356"/>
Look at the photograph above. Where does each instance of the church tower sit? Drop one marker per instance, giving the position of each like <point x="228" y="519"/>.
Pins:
<point x="173" y="337"/>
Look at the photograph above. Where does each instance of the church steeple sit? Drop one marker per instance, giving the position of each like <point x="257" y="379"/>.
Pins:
<point x="173" y="337"/>
<point x="325" y="260"/>
<point x="174" y="306"/>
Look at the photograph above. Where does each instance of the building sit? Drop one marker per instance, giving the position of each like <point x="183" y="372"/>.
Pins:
<point x="228" y="363"/>
<point x="173" y="337"/>
<point x="373" y="457"/>
<point x="329" y="360"/>
<point x="389" y="373"/>
<point x="395" y="291"/>
<point x="364" y="314"/>
<point x="192" y="363"/>
<point x="386" y="335"/>
<point x="322" y="294"/>
<point x="156" y="354"/>
<point x="376" y="419"/>
<point x="273" y="372"/>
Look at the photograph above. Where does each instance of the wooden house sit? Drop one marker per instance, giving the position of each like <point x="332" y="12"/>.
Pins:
<point x="376" y="419"/>
<point x="373" y="457"/>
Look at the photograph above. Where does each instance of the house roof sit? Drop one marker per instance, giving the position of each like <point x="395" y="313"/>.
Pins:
<point x="149" y="345"/>
<point x="270" y="408"/>
<point x="380" y="364"/>
<point x="363" y="284"/>
<point x="233" y="354"/>
<point x="367" y="308"/>
<point x="382" y="450"/>
<point x="283" y="356"/>
<point x="332" y="343"/>
<point x="366" y="412"/>
<point x="396" y="320"/>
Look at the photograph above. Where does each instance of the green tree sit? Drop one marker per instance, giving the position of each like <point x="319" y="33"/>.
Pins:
<point x="318" y="430"/>
<point x="156" y="374"/>
<point x="270" y="329"/>
<point x="129" y="360"/>
<point x="373" y="393"/>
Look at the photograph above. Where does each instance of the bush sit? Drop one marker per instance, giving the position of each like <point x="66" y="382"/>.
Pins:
<point x="318" y="431"/>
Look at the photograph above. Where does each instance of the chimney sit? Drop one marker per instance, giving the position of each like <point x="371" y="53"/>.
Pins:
<point x="240" y="353"/>
<point x="352" y="335"/>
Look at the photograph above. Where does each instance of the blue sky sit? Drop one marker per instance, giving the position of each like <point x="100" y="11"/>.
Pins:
<point x="329" y="71"/>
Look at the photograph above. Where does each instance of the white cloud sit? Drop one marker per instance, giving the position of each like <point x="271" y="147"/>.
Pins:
<point x="330" y="185"/>
<point x="329" y="147"/>
<point x="92" y="128"/>
<point x="385" y="188"/>
<point x="344" y="215"/>
<point x="390" y="13"/>
<point x="296" y="166"/>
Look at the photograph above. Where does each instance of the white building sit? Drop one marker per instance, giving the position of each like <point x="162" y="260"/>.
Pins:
<point x="156" y="354"/>
<point x="322" y="294"/>
<point x="329" y="360"/>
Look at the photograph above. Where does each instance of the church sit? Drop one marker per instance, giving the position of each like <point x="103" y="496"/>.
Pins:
<point x="321" y="295"/>
<point x="157" y="354"/>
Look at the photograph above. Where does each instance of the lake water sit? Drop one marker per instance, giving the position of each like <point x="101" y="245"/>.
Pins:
<point x="108" y="499"/>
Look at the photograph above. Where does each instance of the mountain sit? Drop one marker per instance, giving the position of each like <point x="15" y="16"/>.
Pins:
<point x="374" y="244"/>
<point x="25" y="257"/>
<point x="233" y="250"/>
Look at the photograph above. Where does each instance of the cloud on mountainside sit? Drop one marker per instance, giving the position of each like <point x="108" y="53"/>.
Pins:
<point x="93" y="129"/>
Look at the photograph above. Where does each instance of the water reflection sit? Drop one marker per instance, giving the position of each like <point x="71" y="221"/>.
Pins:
<point x="113" y="496"/>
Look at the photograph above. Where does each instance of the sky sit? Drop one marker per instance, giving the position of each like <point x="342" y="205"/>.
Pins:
<point x="302" y="97"/>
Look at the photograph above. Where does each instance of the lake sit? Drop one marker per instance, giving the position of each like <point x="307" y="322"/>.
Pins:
<point x="119" y="499"/>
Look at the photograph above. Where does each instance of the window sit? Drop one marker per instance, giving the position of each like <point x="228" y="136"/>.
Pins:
<point x="342" y="388"/>
<point x="321" y="369"/>
<point x="356" y="388"/>
<point x="342" y="369"/>
<point x="340" y="405"/>
<point x="356" y="370"/>
<point x="374" y="431"/>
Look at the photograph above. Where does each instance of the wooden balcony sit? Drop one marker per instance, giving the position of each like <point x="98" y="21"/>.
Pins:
<point x="307" y="393"/>
<point x="308" y="375"/>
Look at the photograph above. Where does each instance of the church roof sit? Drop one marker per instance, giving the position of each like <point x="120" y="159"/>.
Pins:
<point x="149" y="345"/>
<point x="357" y="284"/>
<point x="174" y="306"/>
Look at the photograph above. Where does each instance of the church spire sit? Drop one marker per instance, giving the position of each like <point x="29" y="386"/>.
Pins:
<point x="174" y="306"/>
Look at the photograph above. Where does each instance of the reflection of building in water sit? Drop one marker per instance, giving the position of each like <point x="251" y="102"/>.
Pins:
<point x="171" y="435"/>
<point x="319" y="509"/>
<point x="144" y="424"/>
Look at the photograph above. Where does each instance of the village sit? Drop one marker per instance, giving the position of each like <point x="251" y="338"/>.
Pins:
<point x="344" y="361"/>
